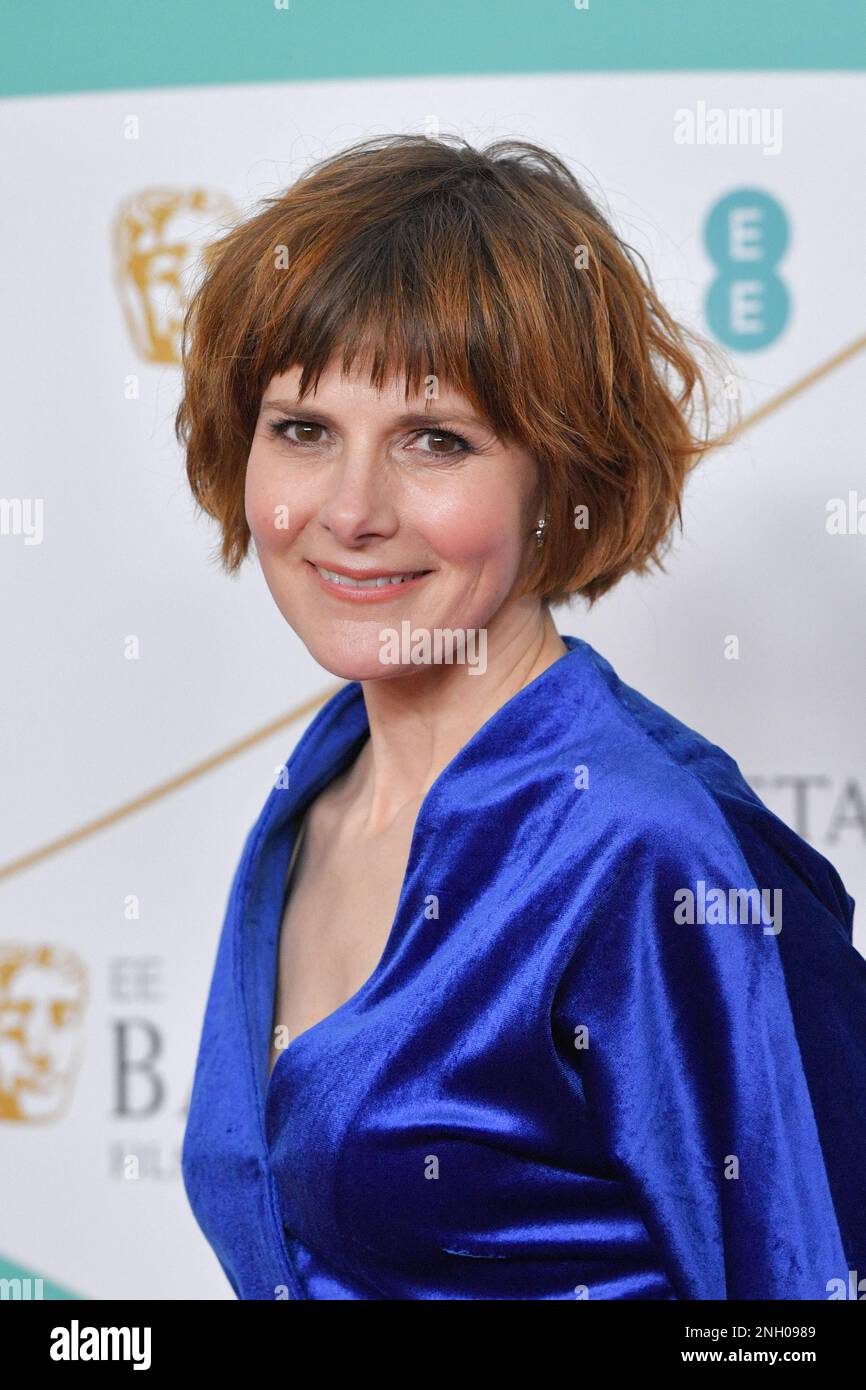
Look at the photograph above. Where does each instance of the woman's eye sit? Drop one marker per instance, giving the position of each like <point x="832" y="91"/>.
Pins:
<point x="443" y="443"/>
<point x="307" y="431"/>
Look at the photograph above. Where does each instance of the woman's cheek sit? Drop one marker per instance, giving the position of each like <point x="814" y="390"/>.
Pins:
<point x="268" y="514"/>
<point x="474" y="532"/>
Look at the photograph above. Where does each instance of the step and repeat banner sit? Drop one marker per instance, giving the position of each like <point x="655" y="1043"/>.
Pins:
<point x="130" y="658"/>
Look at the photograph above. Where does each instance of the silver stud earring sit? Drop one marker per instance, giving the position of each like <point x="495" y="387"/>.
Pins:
<point x="539" y="531"/>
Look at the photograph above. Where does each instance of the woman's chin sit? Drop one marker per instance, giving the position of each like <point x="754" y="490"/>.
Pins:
<point x="366" y="665"/>
<point x="351" y="659"/>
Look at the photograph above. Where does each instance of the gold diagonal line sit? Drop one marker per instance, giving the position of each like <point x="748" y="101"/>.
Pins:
<point x="156" y="793"/>
<point x="795" y="389"/>
<point x="182" y="779"/>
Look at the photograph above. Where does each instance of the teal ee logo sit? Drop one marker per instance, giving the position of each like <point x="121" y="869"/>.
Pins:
<point x="746" y="235"/>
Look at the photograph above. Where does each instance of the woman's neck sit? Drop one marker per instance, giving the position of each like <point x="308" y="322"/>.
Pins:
<point x="419" y="721"/>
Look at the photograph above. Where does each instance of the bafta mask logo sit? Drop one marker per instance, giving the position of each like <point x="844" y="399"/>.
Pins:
<point x="43" y="991"/>
<point x="158" y="236"/>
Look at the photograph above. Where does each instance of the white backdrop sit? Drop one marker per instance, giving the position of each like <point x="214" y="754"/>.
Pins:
<point x="123" y="555"/>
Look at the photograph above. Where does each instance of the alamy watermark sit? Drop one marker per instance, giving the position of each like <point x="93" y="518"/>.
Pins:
<point x="77" y="1343"/>
<point x="22" y="516"/>
<point x="734" y="125"/>
<point x="436" y="646"/>
<point x="717" y="906"/>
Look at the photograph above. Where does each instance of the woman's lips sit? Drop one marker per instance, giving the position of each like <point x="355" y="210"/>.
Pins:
<point x="355" y="593"/>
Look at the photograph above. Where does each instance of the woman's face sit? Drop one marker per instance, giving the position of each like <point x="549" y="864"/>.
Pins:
<point x="367" y="485"/>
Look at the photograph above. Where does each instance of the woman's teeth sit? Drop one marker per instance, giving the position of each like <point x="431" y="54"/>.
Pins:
<point x="380" y="583"/>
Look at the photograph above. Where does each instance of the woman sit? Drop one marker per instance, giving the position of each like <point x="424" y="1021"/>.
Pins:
<point x="522" y="993"/>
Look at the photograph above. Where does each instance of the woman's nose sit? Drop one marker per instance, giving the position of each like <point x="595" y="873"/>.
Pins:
<point x="359" y="500"/>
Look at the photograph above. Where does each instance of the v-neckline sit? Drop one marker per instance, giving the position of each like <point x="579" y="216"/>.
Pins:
<point x="349" y="729"/>
<point x="393" y="935"/>
<point x="289" y="885"/>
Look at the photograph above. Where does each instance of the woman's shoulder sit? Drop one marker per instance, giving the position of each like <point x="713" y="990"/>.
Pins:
<point x="673" y="796"/>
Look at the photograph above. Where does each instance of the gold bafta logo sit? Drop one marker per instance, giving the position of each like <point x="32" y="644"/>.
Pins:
<point x="43" y="990"/>
<point x="158" y="235"/>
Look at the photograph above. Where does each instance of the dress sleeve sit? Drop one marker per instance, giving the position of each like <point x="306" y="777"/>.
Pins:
<point x="231" y="1278"/>
<point x="676" y="1014"/>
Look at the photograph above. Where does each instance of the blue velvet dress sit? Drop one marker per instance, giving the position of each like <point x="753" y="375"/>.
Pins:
<point x="614" y="1048"/>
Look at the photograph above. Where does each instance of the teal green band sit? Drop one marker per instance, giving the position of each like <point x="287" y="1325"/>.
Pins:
<point x="99" y="45"/>
<point x="25" y="1284"/>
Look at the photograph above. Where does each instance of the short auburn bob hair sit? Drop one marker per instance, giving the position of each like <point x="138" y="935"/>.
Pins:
<point x="489" y="269"/>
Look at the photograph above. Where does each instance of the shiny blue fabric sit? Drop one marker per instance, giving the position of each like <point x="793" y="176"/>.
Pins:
<point x="553" y="1089"/>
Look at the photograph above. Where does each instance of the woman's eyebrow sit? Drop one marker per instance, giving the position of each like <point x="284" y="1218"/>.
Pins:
<point x="434" y="417"/>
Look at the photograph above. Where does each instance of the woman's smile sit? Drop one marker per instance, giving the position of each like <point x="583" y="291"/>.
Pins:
<point x="364" y="585"/>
